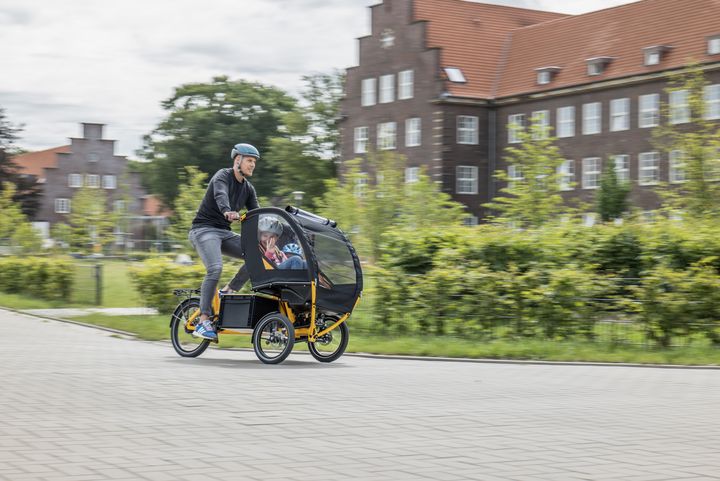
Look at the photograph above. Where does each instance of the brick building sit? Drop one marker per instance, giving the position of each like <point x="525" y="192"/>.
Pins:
<point x="89" y="161"/>
<point x="441" y="81"/>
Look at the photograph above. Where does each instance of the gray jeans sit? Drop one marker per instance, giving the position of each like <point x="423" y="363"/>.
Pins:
<point x="210" y="243"/>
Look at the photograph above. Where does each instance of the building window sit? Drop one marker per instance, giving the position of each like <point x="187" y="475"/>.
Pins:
<point x="387" y="38"/>
<point x="516" y="123"/>
<point x="597" y="65"/>
<point x="386" y="135"/>
<point x="589" y="219"/>
<point x="466" y="179"/>
<point x="413" y="136"/>
<point x="514" y="175"/>
<point x="619" y="114"/>
<point x="109" y="182"/>
<point x="649" y="168"/>
<point x="622" y="167"/>
<point x="62" y="206"/>
<point x="541" y="121"/>
<point x="566" y="121"/>
<point x="591" y="173"/>
<point x="592" y="118"/>
<point x="361" y="182"/>
<point x="405" y="84"/>
<point x="714" y="45"/>
<point x="543" y="77"/>
<point x="653" y="55"/>
<point x="387" y="88"/>
<point x="712" y="102"/>
<point x="93" y="157"/>
<point x="75" y="180"/>
<point x="649" y="110"/>
<point x="679" y="107"/>
<point x="368" y="92"/>
<point x="470" y="220"/>
<point x="467" y="129"/>
<point x="677" y="166"/>
<point x="566" y="175"/>
<point x="454" y="74"/>
<point x="92" y="181"/>
<point x="412" y="174"/>
<point x="361" y="139"/>
<point x="119" y="206"/>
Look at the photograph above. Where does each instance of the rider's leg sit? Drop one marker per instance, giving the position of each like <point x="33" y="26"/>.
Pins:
<point x="207" y="242"/>
<point x="231" y="247"/>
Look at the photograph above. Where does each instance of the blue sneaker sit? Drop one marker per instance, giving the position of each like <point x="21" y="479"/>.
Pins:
<point x="206" y="330"/>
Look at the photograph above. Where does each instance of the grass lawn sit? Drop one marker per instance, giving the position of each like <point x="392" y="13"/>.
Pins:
<point x="157" y="328"/>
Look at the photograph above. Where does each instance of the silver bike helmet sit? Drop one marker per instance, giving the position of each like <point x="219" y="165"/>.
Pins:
<point x="271" y="224"/>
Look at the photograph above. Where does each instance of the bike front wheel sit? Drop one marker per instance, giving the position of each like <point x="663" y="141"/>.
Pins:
<point x="273" y="338"/>
<point x="181" y="329"/>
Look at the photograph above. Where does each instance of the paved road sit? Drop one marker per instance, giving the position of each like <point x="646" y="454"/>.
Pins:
<point x="79" y="404"/>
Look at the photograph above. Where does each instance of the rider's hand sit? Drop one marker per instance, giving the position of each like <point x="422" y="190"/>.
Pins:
<point x="232" y="216"/>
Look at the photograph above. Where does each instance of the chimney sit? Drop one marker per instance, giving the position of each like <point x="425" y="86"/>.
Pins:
<point x="92" y="131"/>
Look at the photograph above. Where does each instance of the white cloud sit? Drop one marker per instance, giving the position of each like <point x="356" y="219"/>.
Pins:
<point x="114" y="62"/>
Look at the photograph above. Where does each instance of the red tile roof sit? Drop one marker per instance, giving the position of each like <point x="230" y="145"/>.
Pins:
<point x="33" y="163"/>
<point x="152" y="206"/>
<point x="620" y="32"/>
<point x="473" y="37"/>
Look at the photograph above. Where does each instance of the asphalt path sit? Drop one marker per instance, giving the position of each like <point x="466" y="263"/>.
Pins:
<point x="83" y="404"/>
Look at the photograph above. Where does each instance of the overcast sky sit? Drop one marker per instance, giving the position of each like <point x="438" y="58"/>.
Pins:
<point x="72" y="61"/>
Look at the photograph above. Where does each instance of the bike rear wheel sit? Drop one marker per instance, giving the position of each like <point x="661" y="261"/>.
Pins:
<point x="332" y="345"/>
<point x="273" y="338"/>
<point x="182" y="339"/>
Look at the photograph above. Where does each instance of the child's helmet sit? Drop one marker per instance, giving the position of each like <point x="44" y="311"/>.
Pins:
<point x="292" y="249"/>
<point x="271" y="224"/>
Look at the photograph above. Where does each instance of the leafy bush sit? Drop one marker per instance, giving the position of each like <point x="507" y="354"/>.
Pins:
<point x="47" y="277"/>
<point x="155" y="280"/>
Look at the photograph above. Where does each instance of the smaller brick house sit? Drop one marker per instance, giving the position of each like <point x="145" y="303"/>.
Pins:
<point x="89" y="161"/>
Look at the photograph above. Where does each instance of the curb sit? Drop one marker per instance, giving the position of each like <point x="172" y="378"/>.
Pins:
<point x="400" y="357"/>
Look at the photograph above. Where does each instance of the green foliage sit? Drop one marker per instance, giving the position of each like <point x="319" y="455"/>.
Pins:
<point x="155" y="280"/>
<point x="533" y="199"/>
<point x="612" y="196"/>
<point x="203" y="122"/>
<point x="27" y="191"/>
<point x="699" y="144"/>
<point x="186" y="204"/>
<point x="14" y="226"/>
<point x="47" y="278"/>
<point x="92" y="225"/>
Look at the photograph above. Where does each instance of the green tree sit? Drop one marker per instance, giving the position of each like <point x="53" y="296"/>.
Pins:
<point x="612" y="196"/>
<point x="204" y="121"/>
<point x="187" y="203"/>
<point x="532" y="195"/>
<point x="15" y="229"/>
<point x="92" y="224"/>
<point x="27" y="191"/>
<point x="693" y="148"/>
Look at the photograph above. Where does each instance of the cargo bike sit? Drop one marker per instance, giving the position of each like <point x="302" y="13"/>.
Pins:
<point x="306" y="280"/>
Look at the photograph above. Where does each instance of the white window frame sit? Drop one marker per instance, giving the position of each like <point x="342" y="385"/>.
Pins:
<point x="361" y="139"/>
<point x="712" y="101"/>
<point x="679" y="107"/>
<point x="621" y="164"/>
<point x="368" y="92"/>
<point x="62" y="206"/>
<point x="516" y="123"/>
<point x="387" y="88"/>
<point x="619" y="114"/>
<point x="648" y="111"/>
<point x="565" y="121"/>
<point x="406" y="84"/>
<point x="467" y="129"/>
<point x="589" y="219"/>
<point x="648" y="168"/>
<point x="455" y="75"/>
<point x="566" y="175"/>
<point x="75" y="180"/>
<point x="676" y="163"/>
<point x="713" y="45"/>
<point x="592" y="118"/>
<point x="466" y="179"/>
<point x="412" y="175"/>
<point x="387" y="136"/>
<point x="92" y="181"/>
<point x="543" y="122"/>
<point x="470" y="220"/>
<point x="413" y="132"/>
<point x="361" y="182"/>
<point x="544" y="77"/>
<point x="109" y="181"/>
<point x="652" y="57"/>
<point x="591" y="171"/>
<point x="514" y="174"/>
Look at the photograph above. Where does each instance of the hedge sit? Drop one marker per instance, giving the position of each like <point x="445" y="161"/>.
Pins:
<point x="155" y="280"/>
<point x="46" y="278"/>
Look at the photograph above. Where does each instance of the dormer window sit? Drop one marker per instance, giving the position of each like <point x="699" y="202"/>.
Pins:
<point x="714" y="45"/>
<point x="653" y="55"/>
<point x="597" y="65"/>
<point x="545" y="74"/>
<point x="454" y="74"/>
